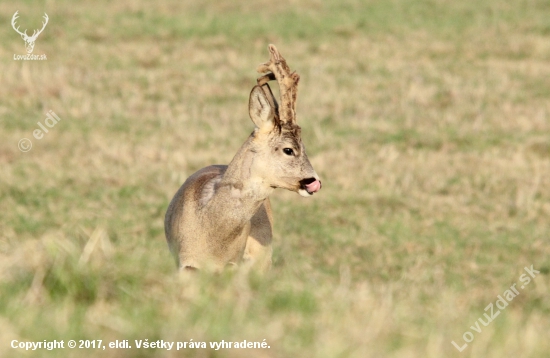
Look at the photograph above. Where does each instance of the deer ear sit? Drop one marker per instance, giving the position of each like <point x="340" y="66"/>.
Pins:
<point x="260" y="108"/>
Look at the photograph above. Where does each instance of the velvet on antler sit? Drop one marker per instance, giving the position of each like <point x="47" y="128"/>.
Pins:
<point x="277" y="69"/>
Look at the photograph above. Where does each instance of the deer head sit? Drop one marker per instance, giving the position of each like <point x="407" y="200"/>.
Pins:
<point x="277" y="138"/>
<point x="29" y="40"/>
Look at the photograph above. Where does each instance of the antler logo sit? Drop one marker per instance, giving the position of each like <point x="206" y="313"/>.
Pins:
<point x="29" y="40"/>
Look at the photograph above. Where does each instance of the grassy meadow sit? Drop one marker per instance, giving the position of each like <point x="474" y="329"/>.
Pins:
<point x="428" y="122"/>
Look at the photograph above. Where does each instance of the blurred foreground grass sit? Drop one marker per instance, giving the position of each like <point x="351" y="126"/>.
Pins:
<point x="428" y="121"/>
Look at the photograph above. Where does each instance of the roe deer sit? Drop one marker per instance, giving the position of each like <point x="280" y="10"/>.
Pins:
<point x="221" y="214"/>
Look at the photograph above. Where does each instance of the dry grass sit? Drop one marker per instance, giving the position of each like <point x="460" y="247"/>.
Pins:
<point x="428" y="121"/>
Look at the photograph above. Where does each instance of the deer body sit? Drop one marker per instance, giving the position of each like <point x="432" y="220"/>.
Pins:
<point x="222" y="215"/>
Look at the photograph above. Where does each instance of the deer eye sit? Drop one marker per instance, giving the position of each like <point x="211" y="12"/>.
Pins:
<point x="288" y="151"/>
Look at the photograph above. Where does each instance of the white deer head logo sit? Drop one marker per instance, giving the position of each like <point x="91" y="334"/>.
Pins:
<point x="29" y="40"/>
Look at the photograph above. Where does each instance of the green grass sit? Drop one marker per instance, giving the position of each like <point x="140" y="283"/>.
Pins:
<point x="428" y="122"/>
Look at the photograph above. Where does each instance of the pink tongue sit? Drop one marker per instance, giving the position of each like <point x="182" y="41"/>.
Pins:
<point x="313" y="187"/>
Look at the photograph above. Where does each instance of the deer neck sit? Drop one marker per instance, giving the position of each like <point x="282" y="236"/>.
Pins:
<point x="242" y="189"/>
<point x="241" y="174"/>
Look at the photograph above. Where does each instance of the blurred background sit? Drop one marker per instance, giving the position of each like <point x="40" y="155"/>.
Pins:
<point x="427" y="120"/>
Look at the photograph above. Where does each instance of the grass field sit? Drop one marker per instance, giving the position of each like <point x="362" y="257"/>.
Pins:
<point x="427" y="120"/>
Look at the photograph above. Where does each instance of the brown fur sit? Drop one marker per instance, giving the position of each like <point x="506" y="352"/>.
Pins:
<point x="222" y="215"/>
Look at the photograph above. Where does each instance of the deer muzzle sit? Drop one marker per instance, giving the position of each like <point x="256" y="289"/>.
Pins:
<point x="310" y="185"/>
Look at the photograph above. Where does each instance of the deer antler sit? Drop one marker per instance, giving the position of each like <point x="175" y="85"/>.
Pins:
<point x="13" y="19"/>
<point x="277" y="69"/>
<point x="35" y="32"/>
<point x="43" y="26"/>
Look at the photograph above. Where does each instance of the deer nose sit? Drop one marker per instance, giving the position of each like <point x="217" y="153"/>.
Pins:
<point x="311" y="185"/>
